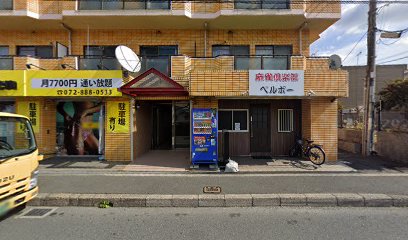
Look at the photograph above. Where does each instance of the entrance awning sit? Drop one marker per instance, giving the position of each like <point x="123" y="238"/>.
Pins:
<point x="153" y="83"/>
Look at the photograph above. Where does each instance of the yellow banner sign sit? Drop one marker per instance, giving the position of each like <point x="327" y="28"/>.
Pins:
<point x="66" y="83"/>
<point x="32" y="110"/>
<point x="12" y="83"/>
<point x="118" y="120"/>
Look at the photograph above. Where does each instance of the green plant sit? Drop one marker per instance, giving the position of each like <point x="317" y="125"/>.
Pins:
<point x="105" y="204"/>
<point x="395" y="96"/>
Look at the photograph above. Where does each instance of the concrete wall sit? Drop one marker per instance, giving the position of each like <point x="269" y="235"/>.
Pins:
<point x="392" y="145"/>
<point x="143" y="129"/>
<point x="350" y="140"/>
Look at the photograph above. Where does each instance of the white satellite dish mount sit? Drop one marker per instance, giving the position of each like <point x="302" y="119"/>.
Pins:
<point x="128" y="58"/>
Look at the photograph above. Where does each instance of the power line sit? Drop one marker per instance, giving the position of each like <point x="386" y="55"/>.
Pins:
<point x="401" y="53"/>
<point x="354" y="46"/>
<point x="393" y="60"/>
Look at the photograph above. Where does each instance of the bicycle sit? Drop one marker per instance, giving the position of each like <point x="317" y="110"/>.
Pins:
<point x="306" y="149"/>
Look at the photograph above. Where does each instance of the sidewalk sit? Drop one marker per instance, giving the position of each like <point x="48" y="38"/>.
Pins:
<point x="347" y="163"/>
<point x="350" y="181"/>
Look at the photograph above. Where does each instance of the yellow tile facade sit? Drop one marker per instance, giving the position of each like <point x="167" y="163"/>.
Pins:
<point x="207" y="79"/>
<point x="59" y="6"/>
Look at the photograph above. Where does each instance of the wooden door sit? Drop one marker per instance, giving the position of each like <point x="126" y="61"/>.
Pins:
<point x="260" y="128"/>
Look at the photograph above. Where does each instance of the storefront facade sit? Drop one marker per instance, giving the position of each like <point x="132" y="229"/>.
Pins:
<point x="73" y="113"/>
<point x="193" y="56"/>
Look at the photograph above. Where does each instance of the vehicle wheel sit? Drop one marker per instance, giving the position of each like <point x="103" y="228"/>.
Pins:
<point x="293" y="152"/>
<point x="317" y="155"/>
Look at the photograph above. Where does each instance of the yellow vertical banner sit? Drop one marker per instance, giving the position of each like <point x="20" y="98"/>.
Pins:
<point x="118" y="117"/>
<point x="31" y="109"/>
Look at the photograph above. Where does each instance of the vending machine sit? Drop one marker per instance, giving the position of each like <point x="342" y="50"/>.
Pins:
<point x="204" y="136"/>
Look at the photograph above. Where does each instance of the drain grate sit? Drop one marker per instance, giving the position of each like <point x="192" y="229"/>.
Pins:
<point x="37" y="213"/>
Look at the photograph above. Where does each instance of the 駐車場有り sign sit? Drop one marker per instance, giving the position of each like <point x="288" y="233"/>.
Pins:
<point x="74" y="83"/>
<point x="30" y="109"/>
<point x="276" y="83"/>
<point x="118" y="117"/>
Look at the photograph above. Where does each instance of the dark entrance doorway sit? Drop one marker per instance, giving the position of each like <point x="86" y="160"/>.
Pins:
<point x="260" y="128"/>
<point x="162" y="126"/>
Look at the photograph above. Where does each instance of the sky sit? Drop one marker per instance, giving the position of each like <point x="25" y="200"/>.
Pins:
<point x="342" y="36"/>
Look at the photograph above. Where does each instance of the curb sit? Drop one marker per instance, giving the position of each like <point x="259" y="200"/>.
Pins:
<point x="223" y="200"/>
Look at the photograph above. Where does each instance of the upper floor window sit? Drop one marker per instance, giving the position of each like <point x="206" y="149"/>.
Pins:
<point x="230" y="50"/>
<point x="154" y="51"/>
<point x="35" y="51"/>
<point x="262" y="4"/>
<point x="4" y="50"/>
<point x="6" y="62"/>
<point x="100" y="51"/>
<point x="158" y="57"/>
<point x="99" y="57"/>
<point x="274" y="57"/>
<point x="6" y="5"/>
<point x="122" y="4"/>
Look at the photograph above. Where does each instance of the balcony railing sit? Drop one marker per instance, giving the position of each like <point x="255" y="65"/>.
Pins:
<point x="262" y="4"/>
<point x="98" y="63"/>
<point x="160" y="63"/>
<point x="262" y="62"/>
<point x="6" y="5"/>
<point x="6" y="63"/>
<point x="122" y="4"/>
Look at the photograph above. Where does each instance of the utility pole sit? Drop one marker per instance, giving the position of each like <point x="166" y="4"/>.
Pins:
<point x="369" y="96"/>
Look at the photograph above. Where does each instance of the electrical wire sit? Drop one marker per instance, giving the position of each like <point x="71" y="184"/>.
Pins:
<point x="393" y="60"/>
<point x="354" y="46"/>
<point x="392" y="56"/>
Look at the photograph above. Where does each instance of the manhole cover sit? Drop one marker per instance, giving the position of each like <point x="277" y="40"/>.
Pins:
<point x="212" y="189"/>
<point x="37" y="213"/>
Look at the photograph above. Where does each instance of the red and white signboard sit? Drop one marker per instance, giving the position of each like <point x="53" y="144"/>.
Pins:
<point x="276" y="83"/>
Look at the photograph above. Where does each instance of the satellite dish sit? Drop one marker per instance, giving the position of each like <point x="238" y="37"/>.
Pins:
<point x="127" y="58"/>
<point x="335" y="62"/>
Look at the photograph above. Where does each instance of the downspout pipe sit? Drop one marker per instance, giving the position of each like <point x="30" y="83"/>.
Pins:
<point x="69" y="37"/>
<point x="300" y="38"/>
<point x="205" y="38"/>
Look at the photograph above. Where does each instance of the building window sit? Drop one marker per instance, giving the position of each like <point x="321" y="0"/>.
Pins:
<point x="262" y="4"/>
<point x="240" y="53"/>
<point x="6" y="61"/>
<point x="285" y="120"/>
<point x="233" y="50"/>
<point x="122" y="4"/>
<point x="6" y="5"/>
<point x="157" y="57"/>
<point x="35" y="51"/>
<point x="99" y="58"/>
<point x="100" y="51"/>
<point x="274" y="57"/>
<point x="4" y="50"/>
<point x="235" y="120"/>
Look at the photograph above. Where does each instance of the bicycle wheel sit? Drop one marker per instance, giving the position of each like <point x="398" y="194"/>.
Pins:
<point x="317" y="155"/>
<point x="293" y="152"/>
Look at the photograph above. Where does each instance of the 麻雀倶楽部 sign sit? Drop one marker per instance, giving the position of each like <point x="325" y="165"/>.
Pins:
<point x="276" y="83"/>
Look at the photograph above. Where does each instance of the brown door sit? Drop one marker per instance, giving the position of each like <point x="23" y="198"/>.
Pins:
<point x="260" y="128"/>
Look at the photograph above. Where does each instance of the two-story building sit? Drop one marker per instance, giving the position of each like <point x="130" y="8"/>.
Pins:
<point x="249" y="60"/>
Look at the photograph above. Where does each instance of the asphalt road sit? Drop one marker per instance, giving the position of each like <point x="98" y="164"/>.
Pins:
<point x="211" y="223"/>
<point x="230" y="184"/>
